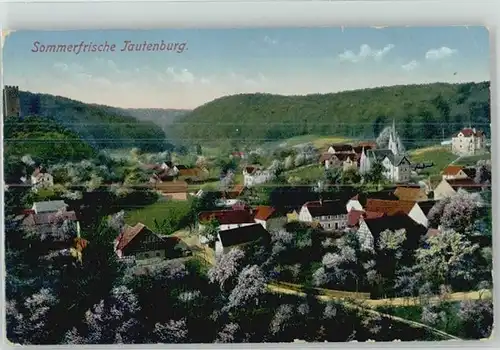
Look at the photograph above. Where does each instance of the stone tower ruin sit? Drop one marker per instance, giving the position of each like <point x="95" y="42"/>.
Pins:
<point x="11" y="103"/>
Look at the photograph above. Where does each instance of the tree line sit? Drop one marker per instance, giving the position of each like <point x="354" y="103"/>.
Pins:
<point x="423" y="114"/>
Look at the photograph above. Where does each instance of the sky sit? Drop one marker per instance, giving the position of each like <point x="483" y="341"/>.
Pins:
<point x="215" y="63"/>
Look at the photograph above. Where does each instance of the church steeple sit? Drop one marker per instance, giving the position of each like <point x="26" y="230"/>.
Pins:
<point x="393" y="139"/>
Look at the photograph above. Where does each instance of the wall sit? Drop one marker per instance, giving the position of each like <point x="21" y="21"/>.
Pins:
<point x="354" y="204"/>
<point x="418" y="215"/>
<point x="365" y="237"/>
<point x="443" y="190"/>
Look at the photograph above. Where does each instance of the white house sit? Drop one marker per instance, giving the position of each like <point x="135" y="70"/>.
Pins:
<point x="331" y="215"/>
<point x="253" y="175"/>
<point x="468" y="141"/>
<point x="240" y="236"/>
<point x="397" y="168"/>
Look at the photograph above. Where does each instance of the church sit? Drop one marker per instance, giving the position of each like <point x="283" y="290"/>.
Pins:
<point x="397" y="166"/>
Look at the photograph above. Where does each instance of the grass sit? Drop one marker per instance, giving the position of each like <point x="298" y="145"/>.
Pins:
<point x="441" y="156"/>
<point x="158" y="211"/>
<point x="472" y="160"/>
<point x="308" y="172"/>
<point x="316" y="140"/>
<point x="452" y="324"/>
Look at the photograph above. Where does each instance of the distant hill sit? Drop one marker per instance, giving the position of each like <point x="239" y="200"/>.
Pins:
<point x="161" y="117"/>
<point x="424" y="114"/>
<point x="100" y="126"/>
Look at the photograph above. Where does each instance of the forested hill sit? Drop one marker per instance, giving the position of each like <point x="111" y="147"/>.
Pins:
<point x="100" y="126"/>
<point x="423" y="113"/>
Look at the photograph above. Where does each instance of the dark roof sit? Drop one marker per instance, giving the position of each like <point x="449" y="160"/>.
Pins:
<point x="359" y="149"/>
<point x="342" y="148"/>
<point x="470" y="172"/>
<point x="241" y="235"/>
<point x="466" y="184"/>
<point x="180" y="167"/>
<point x="426" y="206"/>
<point x="384" y="194"/>
<point x="393" y="223"/>
<point x="379" y="154"/>
<point x="324" y="208"/>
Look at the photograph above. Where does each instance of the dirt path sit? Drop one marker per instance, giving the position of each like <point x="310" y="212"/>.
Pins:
<point x="474" y="295"/>
<point x="282" y="290"/>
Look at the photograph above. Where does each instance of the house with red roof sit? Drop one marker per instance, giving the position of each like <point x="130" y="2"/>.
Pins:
<point x="454" y="172"/>
<point x="141" y="243"/>
<point x="269" y="217"/>
<point x="331" y="215"/>
<point x="468" y="141"/>
<point x="226" y="219"/>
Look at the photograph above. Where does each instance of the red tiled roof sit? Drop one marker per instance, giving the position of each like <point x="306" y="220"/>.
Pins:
<point x="468" y="132"/>
<point x="410" y="193"/>
<point x="264" y="212"/>
<point x="452" y="170"/>
<point x="226" y="217"/>
<point x="128" y="234"/>
<point x="389" y="207"/>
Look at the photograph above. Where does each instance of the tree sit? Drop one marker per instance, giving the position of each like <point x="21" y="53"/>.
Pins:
<point x="450" y="257"/>
<point x="462" y="211"/>
<point x="249" y="288"/>
<point x="226" y="267"/>
<point x="113" y="320"/>
<point x="477" y="318"/>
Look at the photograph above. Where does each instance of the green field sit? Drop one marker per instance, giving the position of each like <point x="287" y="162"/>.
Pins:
<point x="317" y="141"/>
<point x="158" y="211"/>
<point x="441" y="156"/>
<point x="472" y="160"/>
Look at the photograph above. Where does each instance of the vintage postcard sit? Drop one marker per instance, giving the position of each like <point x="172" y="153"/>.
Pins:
<point x="247" y="185"/>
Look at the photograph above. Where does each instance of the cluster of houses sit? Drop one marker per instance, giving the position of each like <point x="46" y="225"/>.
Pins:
<point x="404" y="206"/>
<point x="396" y="164"/>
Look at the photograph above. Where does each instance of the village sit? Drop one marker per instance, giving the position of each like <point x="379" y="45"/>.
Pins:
<point x="333" y="204"/>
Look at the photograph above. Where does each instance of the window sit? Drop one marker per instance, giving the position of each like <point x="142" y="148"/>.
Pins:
<point x="336" y="225"/>
<point x="329" y="225"/>
<point x="146" y="255"/>
<point x="158" y="254"/>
